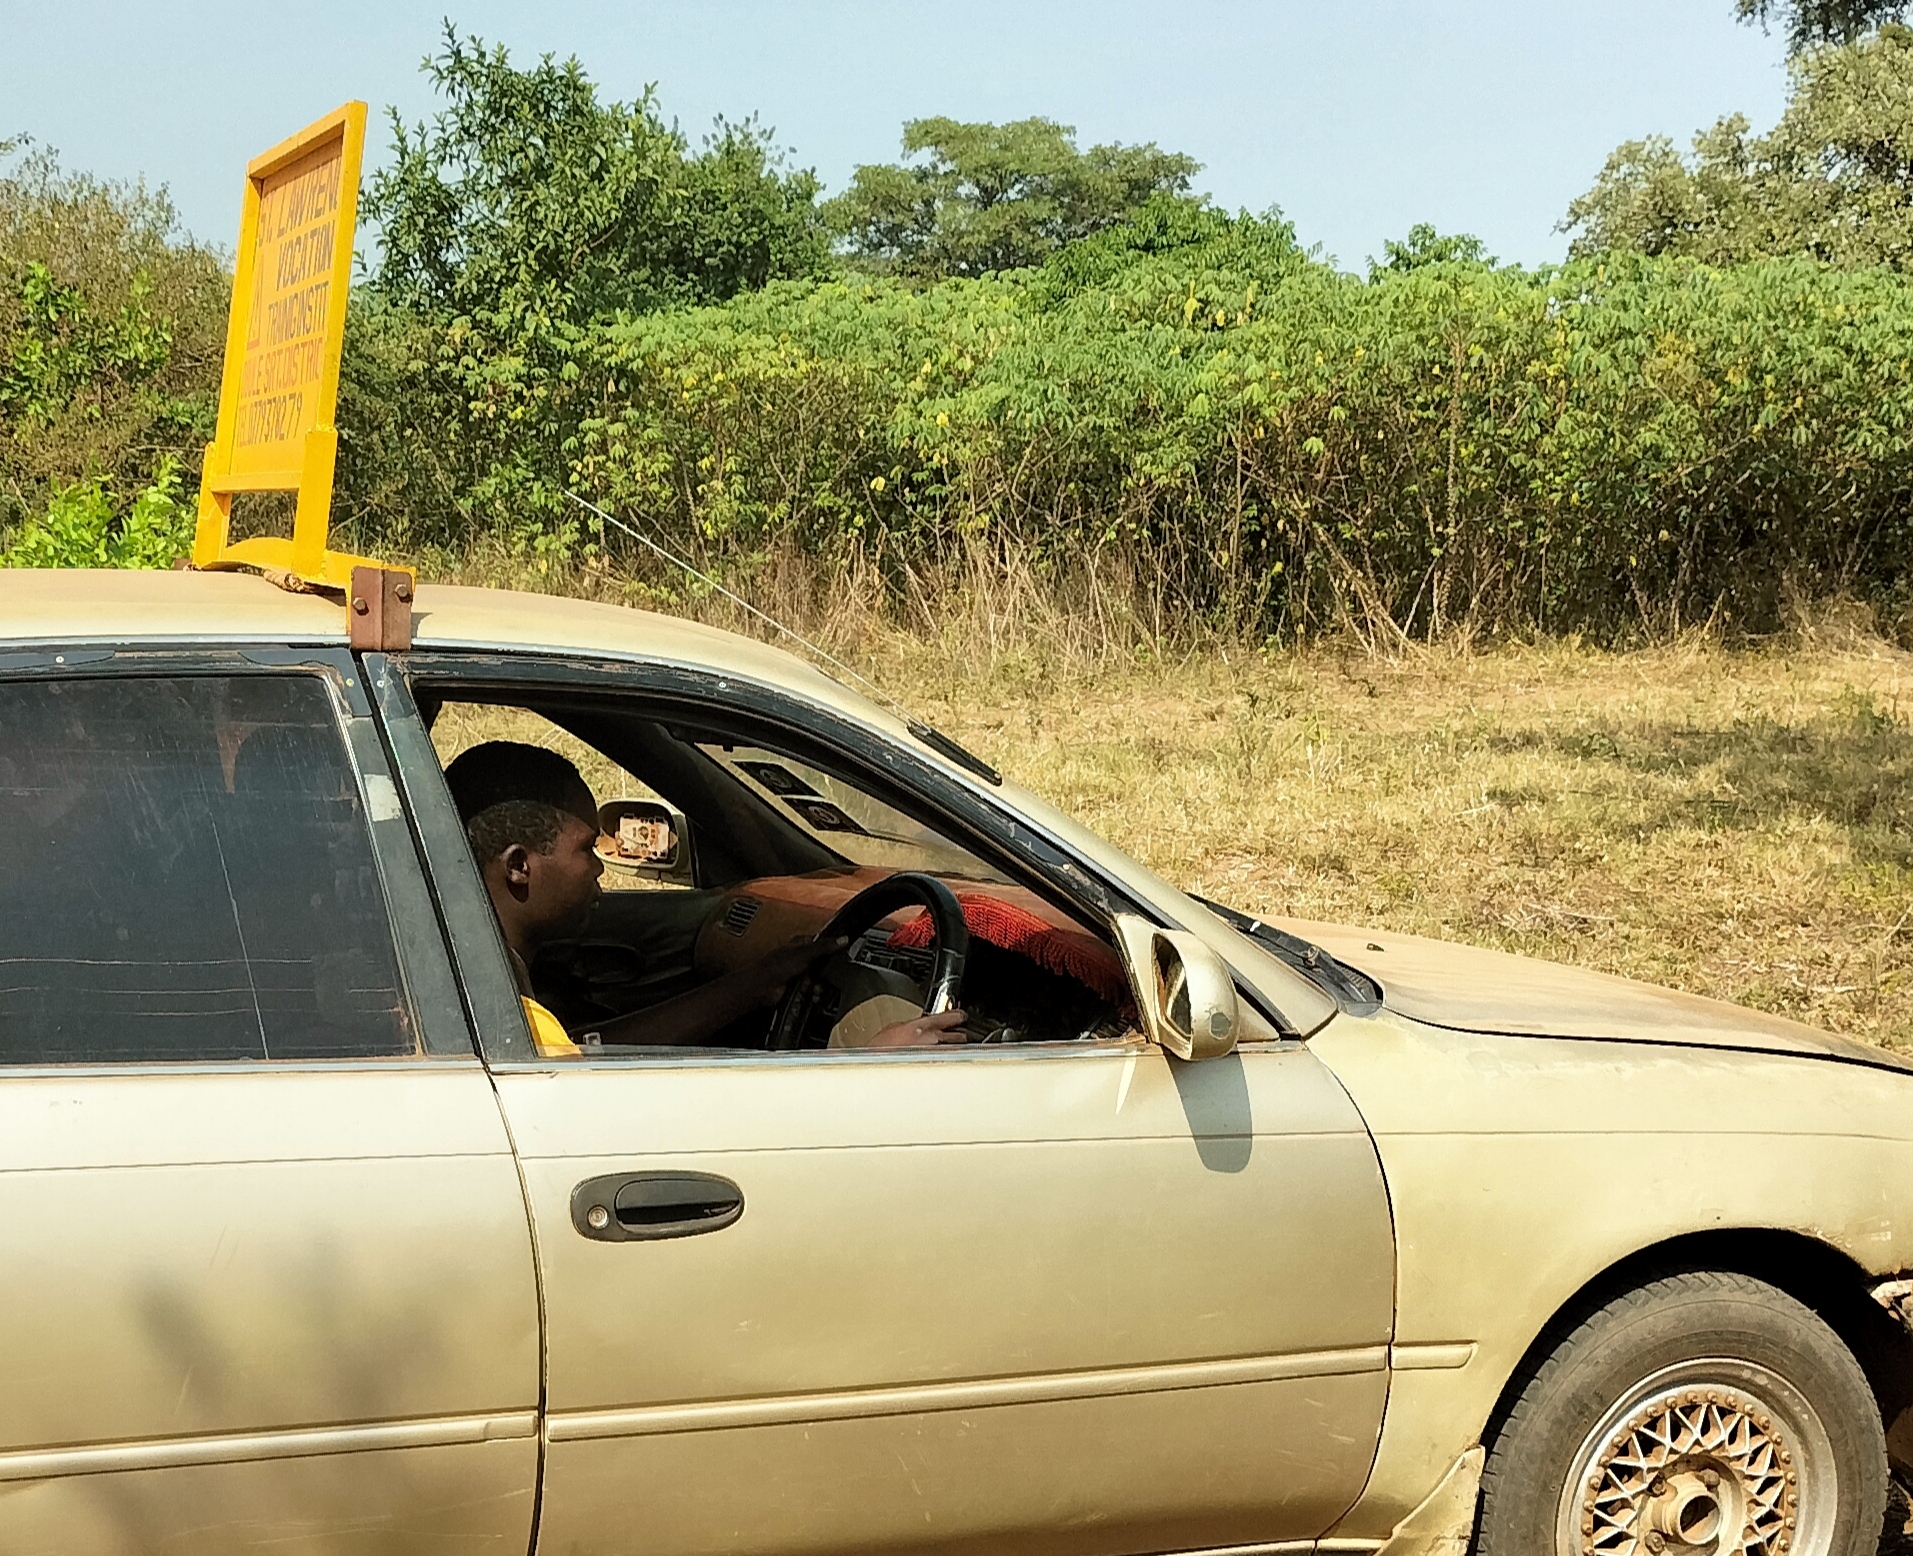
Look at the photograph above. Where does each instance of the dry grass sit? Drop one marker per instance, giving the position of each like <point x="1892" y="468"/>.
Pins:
<point x="1739" y="824"/>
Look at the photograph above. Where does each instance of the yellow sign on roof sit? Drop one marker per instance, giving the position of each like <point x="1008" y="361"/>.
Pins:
<point x="283" y="343"/>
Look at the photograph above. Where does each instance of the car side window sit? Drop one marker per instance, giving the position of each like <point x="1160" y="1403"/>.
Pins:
<point x="188" y="875"/>
<point x="782" y="835"/>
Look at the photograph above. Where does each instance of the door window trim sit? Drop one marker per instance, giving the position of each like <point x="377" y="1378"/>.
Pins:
<point x="471" y="937"/>
<point x="428" y="984"/>
<point x="978" y="822"/>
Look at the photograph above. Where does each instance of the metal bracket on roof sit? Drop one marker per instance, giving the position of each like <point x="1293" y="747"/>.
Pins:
<point x="379" y="610"/>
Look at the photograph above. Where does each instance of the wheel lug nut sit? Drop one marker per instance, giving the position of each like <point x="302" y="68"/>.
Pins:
<point x="1710" y="1478"/>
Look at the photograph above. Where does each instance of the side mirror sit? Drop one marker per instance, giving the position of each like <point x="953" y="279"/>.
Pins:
<point x="646" y="838"/>
<point x="1185" y="991"/>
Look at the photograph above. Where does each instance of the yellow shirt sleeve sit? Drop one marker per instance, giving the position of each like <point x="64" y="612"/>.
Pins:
<point x="547" y="1034"/>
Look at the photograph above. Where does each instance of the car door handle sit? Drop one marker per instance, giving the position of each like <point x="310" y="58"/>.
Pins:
<point x="623" y="1207"/>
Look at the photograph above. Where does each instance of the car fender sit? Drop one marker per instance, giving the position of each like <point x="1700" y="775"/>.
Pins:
<point x="1521" y="1169"/>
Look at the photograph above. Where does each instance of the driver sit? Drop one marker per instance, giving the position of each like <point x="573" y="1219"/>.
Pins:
<point x="533" y="827"/>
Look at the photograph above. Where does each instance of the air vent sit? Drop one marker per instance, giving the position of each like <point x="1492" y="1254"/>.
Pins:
<point x="738" y="916"/>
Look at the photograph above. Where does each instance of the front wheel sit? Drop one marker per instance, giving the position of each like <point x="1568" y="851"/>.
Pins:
<point x="1705" y="1413"/>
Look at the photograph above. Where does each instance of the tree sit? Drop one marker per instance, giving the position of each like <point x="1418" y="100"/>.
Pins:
<point x="528" y="216"/>
<point x="528" y="195"/>
<point x="1812" y="22"/>
<point x="111" y="327"/>
<point x="1144" y="264"/>
<point x="1833" y="180"/>
<point x="1425" y="246"/>
<point x="994" y="197"/>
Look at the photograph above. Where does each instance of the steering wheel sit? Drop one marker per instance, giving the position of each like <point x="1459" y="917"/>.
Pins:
<point x="869" y="907"/>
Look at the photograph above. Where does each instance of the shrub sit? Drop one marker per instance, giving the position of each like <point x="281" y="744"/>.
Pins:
<point x="84" y="527"/>
<point x="1612" y="445"/>
<point x="111" y="332"/>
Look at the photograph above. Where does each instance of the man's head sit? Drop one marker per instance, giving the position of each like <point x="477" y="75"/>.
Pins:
<point x="533" y="825"/>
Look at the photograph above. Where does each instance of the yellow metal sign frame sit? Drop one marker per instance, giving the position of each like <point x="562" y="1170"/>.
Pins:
<point x="284" y="340"/>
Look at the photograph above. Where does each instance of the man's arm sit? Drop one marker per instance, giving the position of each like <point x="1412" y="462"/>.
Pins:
<point x="700" y="1014"/>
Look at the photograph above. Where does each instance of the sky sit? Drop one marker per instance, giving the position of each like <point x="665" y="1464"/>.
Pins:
<point x="1357" y="118"/>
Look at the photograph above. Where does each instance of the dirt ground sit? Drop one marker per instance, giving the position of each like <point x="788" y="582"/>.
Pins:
<point x="1899" y="1526"/>
<point x="1738" y="824"/>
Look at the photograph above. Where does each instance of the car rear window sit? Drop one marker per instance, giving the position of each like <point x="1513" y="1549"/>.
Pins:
<point x="186" y="874"/>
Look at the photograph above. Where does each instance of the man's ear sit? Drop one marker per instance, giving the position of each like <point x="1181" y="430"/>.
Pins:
<point x="514" y="865"/>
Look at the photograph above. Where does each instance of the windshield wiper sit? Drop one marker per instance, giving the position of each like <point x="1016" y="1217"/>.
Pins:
<point x="1351" y="988"/>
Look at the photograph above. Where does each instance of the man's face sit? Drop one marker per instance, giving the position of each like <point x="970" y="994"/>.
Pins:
<point x="563" y="884"/>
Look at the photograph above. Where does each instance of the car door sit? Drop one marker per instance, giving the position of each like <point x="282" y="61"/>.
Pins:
<point x="263" y="1253"/>
<point x="1062" y="1297"/>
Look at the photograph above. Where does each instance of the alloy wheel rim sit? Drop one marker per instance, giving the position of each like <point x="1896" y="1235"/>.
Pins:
<point x="1714" y="1457"/>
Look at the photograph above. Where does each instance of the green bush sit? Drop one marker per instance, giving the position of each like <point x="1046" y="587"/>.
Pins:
<point x="84" y="527"/>
<point x="1274" y="446"/>
<point x="111" y="332"/>
<point x="1190" y="401"/>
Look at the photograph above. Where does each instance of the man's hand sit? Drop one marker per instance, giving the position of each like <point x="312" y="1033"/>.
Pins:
<point x="922" y="1032"/>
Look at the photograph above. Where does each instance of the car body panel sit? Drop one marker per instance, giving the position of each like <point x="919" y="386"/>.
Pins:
<point x="1472" y="989"/>
<point x="316" y="1505"/>
<point x="261" y="1270"/>
<point x="1014" y="1297"/>
<point x="1492" y="1145"/>
<point x="121" y="606"/>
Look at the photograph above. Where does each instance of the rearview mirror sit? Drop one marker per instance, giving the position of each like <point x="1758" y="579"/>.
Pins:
<point x="1184" y="990"/>
<point x="646" y="838"/>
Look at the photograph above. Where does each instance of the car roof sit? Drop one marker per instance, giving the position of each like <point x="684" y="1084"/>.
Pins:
<point x="128" y="607"/>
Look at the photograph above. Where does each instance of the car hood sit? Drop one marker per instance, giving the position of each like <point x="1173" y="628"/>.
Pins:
<point x="1476" y="990"/>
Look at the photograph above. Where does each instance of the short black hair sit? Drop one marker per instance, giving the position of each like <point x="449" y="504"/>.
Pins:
<point x="508" y="792"/>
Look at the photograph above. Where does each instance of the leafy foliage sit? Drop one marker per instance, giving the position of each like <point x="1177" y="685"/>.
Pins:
<point x="527" y="215"/>
<point x="1425" y="246"/>
<point x="1266" y="444"/>
<point x="1175" y="396"/>
<point x="528" y="197"/>
<point x="1811" y="22"/>
<point x="1198" y="239"/>
<point x="1834" y="179"/>
<point x="111" y="328"/>
<point x="994" y="197"/>
<point x="84" y="527"/>
<point x="60" y="350"/>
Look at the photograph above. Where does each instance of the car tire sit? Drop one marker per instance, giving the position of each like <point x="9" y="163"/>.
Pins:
<point x="1678" y="1410"/>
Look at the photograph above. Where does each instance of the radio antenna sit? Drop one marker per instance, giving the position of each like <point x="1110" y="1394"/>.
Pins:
<point x="930" y="736"/>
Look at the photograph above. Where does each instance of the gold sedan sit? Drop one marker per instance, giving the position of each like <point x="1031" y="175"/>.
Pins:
<point x="836" y="1150"/>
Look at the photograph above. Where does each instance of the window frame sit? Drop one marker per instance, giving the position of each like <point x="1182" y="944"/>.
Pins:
<point x="990" y="829"/>
<point x="428" y="983"/>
